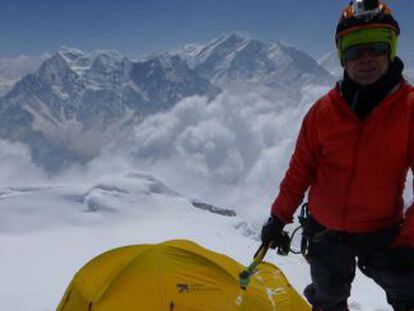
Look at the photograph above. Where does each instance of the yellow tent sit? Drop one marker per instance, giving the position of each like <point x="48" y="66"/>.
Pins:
<point x="177" y="275"/>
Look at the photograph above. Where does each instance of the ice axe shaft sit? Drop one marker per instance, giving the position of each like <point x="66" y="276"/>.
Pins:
<point x="283" y="249"/>
<point x="246" y="274"/>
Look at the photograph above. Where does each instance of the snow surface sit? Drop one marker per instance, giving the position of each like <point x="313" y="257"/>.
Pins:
<point x="48" y="232"/>
<point x="231" y="152"/>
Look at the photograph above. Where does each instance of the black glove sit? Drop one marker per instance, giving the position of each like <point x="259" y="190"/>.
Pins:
<point x="272" y="232"/>
<point x="401" y="258"/>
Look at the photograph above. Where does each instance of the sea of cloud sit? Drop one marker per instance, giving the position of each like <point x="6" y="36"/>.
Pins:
<point x="232" y="151"/>
<point x="16" y="166"/>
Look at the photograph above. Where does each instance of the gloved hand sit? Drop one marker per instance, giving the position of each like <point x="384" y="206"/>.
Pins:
<point x="401" y="258"/>
<point x="272" y="232"/>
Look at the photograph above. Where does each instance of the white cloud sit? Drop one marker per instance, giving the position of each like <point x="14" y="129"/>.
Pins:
<point x="232" y="151"/>
<point x="16" y="165"/>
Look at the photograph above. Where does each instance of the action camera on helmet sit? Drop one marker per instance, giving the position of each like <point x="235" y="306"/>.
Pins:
<point x="366" y="7"/>
<point x="371" y="4"/>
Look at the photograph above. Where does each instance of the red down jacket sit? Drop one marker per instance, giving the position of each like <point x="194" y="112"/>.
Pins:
<point x="356" y="170"/>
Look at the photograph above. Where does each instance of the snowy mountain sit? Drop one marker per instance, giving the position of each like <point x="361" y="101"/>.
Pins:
<point x="75" y="102"/>
<point x="237" y="61"/>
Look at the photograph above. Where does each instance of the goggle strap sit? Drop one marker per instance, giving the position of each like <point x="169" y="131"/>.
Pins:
<point x="345" y="32"/>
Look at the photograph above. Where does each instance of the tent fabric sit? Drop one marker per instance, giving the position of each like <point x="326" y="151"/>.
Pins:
<point x="177" y="275"/>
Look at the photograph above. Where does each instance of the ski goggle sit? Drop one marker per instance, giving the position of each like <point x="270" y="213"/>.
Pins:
<point x="372" y="49"/>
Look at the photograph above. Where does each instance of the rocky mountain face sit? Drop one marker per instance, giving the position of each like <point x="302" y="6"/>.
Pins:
<point x="75" y="102"/>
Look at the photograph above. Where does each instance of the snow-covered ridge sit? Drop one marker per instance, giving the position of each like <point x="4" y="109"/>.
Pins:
<point x="135" y="197"/>
<point x="93" y="97"/>
<point x="80" y="61"/>
<point x="237" y="60"/>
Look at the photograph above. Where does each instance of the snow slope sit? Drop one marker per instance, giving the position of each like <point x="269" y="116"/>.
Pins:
<point x="48" y="232"/>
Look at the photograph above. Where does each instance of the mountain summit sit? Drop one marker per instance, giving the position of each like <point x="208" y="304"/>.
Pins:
<point x="236" y="60"/>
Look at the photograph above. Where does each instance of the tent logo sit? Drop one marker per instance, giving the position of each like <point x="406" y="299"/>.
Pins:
<point x="190" y="288"/>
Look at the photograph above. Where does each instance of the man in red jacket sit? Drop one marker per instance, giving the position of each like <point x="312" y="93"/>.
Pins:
<point x="353" y="152"/>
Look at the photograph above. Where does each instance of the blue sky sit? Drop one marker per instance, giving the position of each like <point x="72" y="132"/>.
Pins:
<point x="142" y="26"/>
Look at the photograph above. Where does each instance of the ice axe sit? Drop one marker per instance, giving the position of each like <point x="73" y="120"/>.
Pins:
<point x="246" y="274"/>
<point x="282" y="249"/>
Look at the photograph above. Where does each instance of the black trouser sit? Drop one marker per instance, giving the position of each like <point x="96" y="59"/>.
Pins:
<point x="333" y="257"/>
